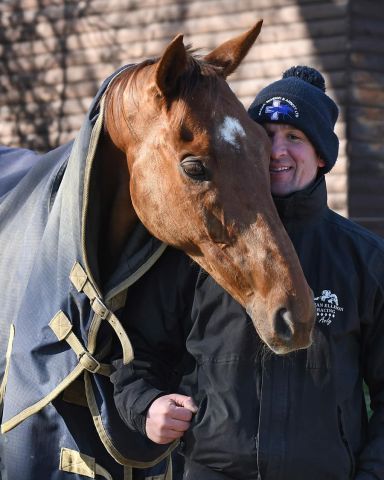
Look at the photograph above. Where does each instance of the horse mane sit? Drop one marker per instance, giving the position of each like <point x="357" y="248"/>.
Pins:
<point x="189" y="80"/>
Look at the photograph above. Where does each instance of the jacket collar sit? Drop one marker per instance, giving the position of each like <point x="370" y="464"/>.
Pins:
<point x="304" y="205"/>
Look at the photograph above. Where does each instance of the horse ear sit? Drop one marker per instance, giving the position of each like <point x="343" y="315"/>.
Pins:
<point x="171" y="66"/>
<point x="231" y="53"/>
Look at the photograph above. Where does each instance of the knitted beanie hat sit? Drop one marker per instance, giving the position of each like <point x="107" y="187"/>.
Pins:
<point x="299" y="99"/>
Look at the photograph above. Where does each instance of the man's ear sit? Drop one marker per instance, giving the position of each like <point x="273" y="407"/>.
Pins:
<point x="320" y="162"/>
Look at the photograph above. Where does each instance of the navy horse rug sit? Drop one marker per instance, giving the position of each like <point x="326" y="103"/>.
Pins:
<point x="57" y="327"/>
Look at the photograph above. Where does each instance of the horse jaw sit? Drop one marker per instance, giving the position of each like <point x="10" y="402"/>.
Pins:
<point x="270" y="287"/>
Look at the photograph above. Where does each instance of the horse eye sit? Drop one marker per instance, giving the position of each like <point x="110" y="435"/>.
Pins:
<point x="194" y="168"/>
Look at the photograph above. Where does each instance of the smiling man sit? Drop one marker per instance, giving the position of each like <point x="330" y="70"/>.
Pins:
<point x="324" y="432"/>
<point x="294" y="162"/>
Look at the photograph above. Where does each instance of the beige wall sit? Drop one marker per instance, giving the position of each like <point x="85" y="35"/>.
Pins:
<point x="56" y="53"/>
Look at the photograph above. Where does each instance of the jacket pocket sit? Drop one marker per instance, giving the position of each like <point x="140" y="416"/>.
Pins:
<point x="344" y="439"/>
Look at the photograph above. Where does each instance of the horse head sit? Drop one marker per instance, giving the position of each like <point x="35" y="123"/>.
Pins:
<point x="198" y="172"/>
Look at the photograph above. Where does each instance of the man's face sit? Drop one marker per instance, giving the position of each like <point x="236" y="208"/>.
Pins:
<point x="294" y="162"/>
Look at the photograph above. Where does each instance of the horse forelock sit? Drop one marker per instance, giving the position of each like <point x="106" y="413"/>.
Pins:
<point x="197" y="72"/>
<point x="130" y="81"/>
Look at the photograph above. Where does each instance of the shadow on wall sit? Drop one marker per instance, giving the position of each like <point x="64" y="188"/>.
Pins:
<point x="53" y="57"/>
<point x="351" y="54"/>
<point x="33" y="57"/>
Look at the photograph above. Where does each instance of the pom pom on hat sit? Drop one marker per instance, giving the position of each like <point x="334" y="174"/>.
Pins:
<point x="299" y="99"/>
<point x="309" y="74"/>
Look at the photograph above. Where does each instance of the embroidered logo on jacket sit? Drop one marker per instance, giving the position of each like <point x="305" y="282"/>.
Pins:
<point x="327" y="304"/>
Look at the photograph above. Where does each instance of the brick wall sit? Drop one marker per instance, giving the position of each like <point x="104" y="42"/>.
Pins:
<point x="55" y="53"/>
<point x="365" y="115"/>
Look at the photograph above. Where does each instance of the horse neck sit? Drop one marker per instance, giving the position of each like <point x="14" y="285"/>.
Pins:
<point x="118" y="216"/>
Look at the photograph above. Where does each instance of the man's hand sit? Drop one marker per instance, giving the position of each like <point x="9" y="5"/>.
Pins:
<point x="169" y="417"/>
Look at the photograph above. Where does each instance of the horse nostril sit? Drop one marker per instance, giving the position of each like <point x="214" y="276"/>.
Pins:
<point x="283" y="324"/>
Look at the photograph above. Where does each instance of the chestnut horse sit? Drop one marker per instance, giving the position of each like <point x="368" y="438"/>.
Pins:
<point x="183" y="142"/>
<point x="165" y="145"/>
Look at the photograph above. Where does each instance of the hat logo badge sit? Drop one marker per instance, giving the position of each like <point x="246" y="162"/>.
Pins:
<point x="278" y="108"/>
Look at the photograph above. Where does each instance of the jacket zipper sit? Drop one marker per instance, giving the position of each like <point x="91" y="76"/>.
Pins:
<point x="345" y="441"/>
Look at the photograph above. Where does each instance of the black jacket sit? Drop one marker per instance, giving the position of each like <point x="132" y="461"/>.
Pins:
<point x="263" y="416"/>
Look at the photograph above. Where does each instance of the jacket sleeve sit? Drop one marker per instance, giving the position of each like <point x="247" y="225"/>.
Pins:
<point x="371" y="460"/>
<point x="157" y="319"/>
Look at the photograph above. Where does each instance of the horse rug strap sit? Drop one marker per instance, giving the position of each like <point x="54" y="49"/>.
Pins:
<point x="75" y="462"/>
<point x="62" y="327"/>
<point x="7" y="358"/>
<point x="80" y="280"/>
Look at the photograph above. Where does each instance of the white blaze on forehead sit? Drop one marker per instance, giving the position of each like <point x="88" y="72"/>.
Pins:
<point x="231" y="130"/>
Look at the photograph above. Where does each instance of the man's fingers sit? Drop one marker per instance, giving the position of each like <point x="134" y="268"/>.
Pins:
<point x="164" y="437"/>
<point x="169" y="424"/>
<point x="166" y="431"/>
<point x="181" y="413"/>
<point x="169" y="417"/>
<point x="178" y="425"/>
<point x="184" y="401"/>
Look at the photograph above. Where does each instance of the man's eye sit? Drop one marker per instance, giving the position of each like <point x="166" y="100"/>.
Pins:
<point x="293" y="137"/>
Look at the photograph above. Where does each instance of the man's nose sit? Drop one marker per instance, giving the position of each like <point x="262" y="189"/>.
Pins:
<point x="279" y="148"/>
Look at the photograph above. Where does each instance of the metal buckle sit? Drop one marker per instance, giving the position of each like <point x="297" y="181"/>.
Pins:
<point x="99" y="308"/>
<point x="88" y="362"/>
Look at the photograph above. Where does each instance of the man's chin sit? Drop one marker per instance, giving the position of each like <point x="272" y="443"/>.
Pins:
<point x="281" y="190"/>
